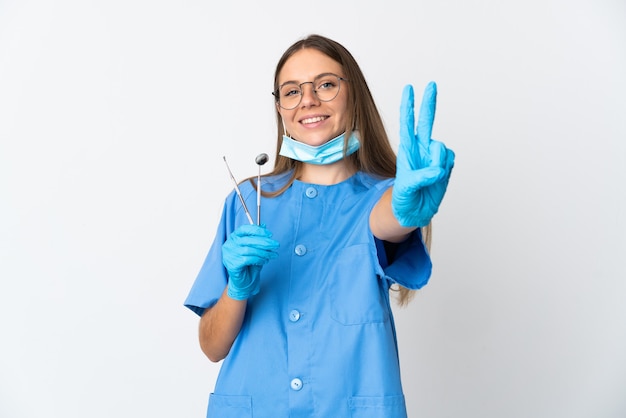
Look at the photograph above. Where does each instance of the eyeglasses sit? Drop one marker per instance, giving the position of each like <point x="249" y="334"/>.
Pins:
<point x="325" y="87"/>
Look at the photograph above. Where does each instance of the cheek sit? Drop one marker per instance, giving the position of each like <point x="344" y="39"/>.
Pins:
<point x="287" y="121"/>
<point x="342" y="107"/>
<point x="343" y="117"/>
<point x="284" y="116"/>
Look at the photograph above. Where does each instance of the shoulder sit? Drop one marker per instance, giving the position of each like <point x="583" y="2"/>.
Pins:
<point x="269" y="183"/>
<point x="373" y="181"/>
<point x="275" y="182"/>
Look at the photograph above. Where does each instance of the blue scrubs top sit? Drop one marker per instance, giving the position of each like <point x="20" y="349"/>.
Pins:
<point x="318" y="340"/>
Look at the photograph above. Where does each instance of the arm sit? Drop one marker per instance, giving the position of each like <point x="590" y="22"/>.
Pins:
<point x="219" y="326"/>
<point x="384" y="224"/>
<point x="244" y="254"/>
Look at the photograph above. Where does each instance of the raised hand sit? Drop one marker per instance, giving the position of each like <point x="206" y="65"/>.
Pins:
<point x="423" y="166"/>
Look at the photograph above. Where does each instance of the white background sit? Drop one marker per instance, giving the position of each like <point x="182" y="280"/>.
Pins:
<point x="115" y="115"/>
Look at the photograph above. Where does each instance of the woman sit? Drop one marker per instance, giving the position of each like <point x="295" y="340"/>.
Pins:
<point x="298" y="307"/>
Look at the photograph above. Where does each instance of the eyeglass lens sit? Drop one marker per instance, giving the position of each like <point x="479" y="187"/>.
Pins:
<point x="325" y="87"/>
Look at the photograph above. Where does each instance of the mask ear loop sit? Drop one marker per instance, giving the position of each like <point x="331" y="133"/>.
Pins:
<point x="282" y="121"/>
<point x="285" y="128"/>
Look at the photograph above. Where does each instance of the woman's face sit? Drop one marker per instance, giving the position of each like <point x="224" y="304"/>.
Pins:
<point x="313" y="122"/>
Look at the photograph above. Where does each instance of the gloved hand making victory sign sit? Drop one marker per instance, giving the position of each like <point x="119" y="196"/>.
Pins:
<point x="423" y="166"/>
<point x="244" y="253"/>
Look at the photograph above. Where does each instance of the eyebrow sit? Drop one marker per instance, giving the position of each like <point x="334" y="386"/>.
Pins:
<point x="314" y="78"/>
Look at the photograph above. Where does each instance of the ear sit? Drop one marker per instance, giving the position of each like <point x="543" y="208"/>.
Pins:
<point x="278" y="109"/>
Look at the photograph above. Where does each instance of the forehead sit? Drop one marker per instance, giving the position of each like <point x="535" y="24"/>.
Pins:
<point x="307" y="64"/>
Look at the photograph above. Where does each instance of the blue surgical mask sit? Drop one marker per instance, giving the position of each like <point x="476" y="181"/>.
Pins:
<point x="327" y="153"/>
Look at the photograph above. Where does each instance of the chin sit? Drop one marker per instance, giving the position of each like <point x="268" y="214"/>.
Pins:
<point x="314" y="142"/>
<point x="318" y="140"/>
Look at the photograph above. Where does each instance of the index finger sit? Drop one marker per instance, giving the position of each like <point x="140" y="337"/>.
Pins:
<point x="427" y="114"/>
<point x="407" y="117"/>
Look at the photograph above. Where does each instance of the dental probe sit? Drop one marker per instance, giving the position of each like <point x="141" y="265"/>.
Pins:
<point x="243" y="203"/>
<point x="260" y="160"/>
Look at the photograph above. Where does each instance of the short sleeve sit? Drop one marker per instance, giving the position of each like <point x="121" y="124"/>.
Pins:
<point x="212" y="278"/>
<point x="407" y="263"/>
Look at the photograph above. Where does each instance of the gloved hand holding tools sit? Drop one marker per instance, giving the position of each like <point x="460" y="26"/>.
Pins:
<point x="244" y="253"/>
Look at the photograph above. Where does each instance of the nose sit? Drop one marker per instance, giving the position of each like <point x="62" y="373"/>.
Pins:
<point x="309" y="98"/>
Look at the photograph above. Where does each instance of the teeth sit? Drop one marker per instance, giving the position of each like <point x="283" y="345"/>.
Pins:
<point x="313" y="120"/>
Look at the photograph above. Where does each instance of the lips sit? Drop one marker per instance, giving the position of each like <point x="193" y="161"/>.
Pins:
<point x="313" y="120"/>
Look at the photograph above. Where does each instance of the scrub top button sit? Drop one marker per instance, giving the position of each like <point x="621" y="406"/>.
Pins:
<point x="296" y="384"/>
<point x="294" y="315"/>
<point x="300" y="249"/>
<point x="311" y="192"/>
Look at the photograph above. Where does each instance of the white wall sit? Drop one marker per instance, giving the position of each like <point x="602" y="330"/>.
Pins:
<point x="114" y="117"/>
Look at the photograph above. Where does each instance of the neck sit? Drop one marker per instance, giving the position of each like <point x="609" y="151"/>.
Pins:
<point x="328" y="174"/>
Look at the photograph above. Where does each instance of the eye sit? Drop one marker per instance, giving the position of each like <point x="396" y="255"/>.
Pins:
<point x="290" y="90"/>
<point x="326" y="84"/>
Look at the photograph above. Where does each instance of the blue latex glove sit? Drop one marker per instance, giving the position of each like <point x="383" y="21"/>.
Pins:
<point x="423" y="166"/>
<point x="244" y="253"/>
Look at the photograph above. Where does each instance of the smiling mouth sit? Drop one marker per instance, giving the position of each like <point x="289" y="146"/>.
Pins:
<point x="313" y="120"/>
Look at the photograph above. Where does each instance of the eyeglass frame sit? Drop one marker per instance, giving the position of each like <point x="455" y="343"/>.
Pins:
<point x="276" y="93"/>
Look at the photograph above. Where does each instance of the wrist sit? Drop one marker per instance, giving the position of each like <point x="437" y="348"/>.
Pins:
<point x="240" y="290"/>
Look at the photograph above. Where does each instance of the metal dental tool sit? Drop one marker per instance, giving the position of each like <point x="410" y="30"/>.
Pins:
<point x="260" y="160"/>
<point x="243" y="203"/>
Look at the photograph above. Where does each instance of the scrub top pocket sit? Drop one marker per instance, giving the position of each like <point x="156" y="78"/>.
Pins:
<point x="221" y="406"/>
<point x="356" y="293"/>
<point x="377" y="407"/>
